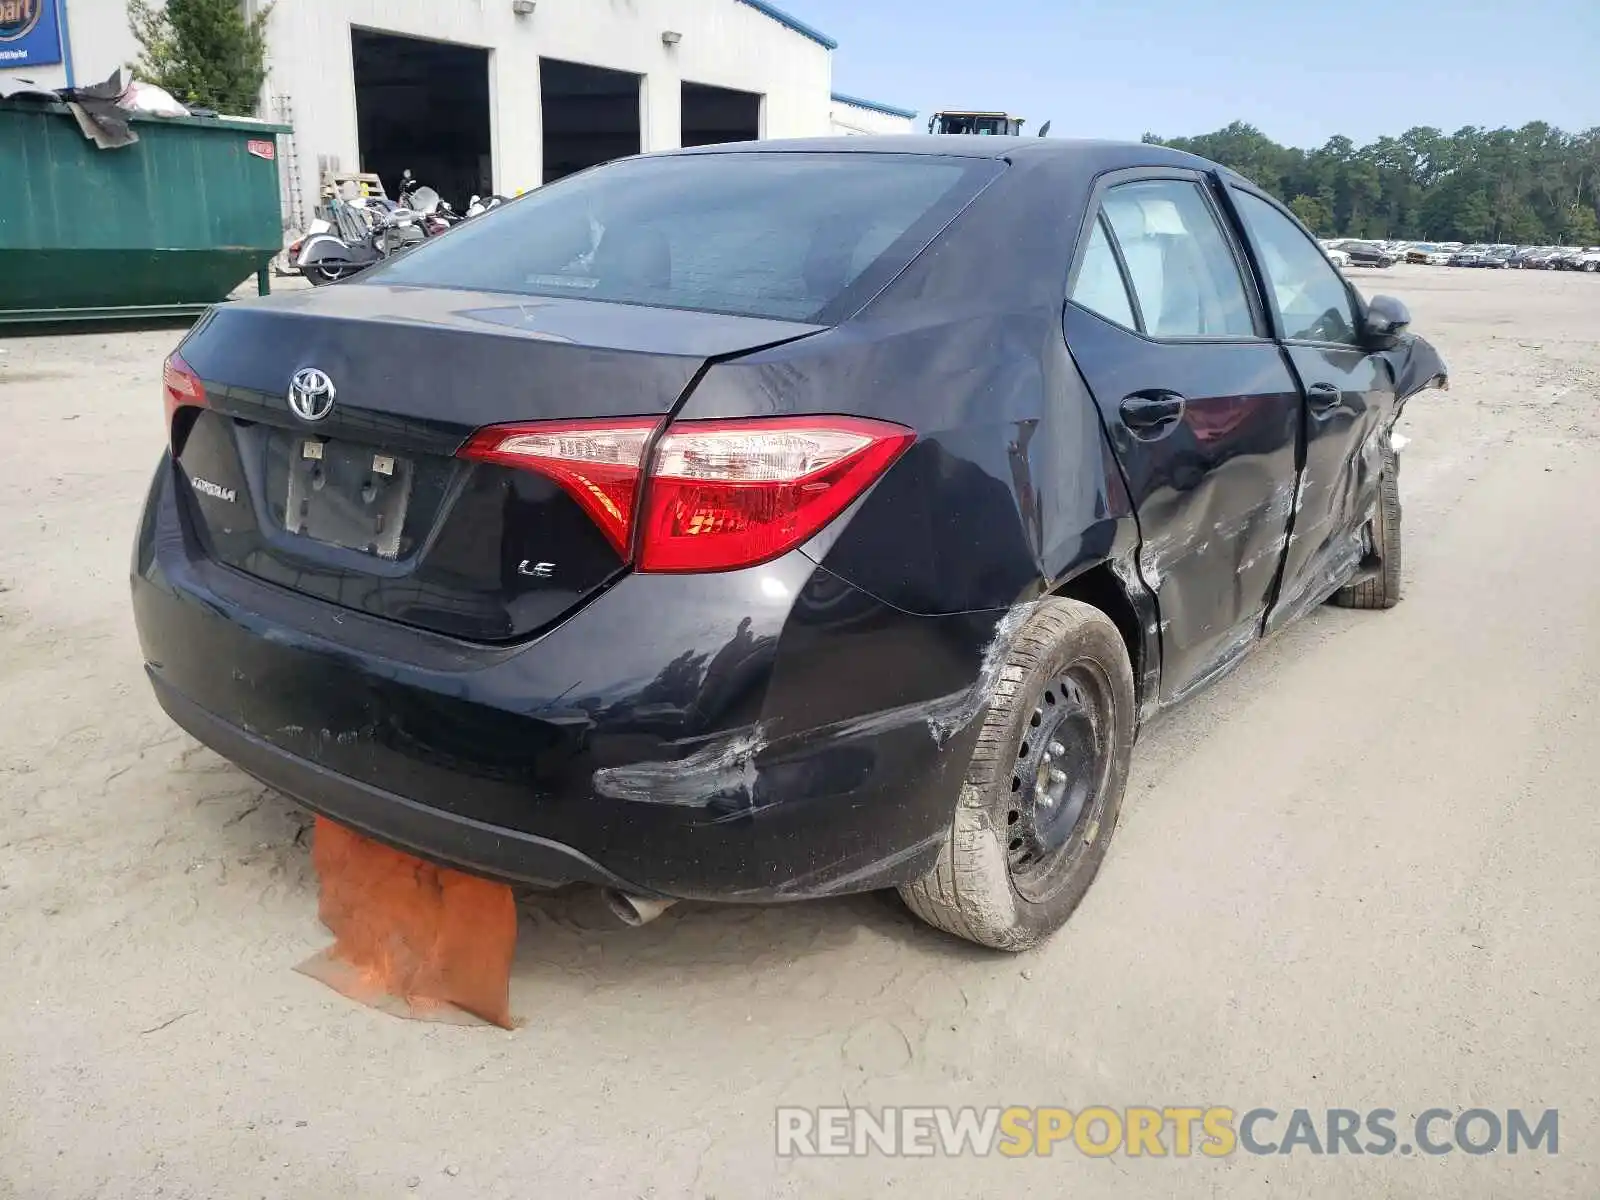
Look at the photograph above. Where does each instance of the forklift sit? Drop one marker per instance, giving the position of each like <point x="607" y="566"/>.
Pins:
<point x="980" y="123"/>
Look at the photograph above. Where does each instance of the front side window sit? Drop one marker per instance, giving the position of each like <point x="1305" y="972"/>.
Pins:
<point x="752" y="234"/>
<point x="1311" y="299"/>
<point x="1179" y="261"/>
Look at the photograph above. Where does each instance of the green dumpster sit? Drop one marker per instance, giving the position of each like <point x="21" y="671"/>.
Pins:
<point x="163" y="227"/>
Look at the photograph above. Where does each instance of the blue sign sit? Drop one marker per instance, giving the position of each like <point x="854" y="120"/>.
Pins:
<point x="30" y="33"/>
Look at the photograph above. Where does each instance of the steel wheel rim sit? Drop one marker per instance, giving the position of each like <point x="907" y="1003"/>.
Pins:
<point x="1058" y="781"/>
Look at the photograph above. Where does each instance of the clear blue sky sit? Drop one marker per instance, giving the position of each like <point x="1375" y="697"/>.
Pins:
<point x="1301" y="72"/>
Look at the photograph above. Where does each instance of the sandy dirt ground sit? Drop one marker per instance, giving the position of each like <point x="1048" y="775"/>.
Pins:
<point x="1359" y="872"/>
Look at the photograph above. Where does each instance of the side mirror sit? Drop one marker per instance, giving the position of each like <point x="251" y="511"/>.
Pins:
<point x="1386" y="319"/>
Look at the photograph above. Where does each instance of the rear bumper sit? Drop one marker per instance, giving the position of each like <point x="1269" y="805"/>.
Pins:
<point x="769" y="734"/>
<point x="398" y="820"/>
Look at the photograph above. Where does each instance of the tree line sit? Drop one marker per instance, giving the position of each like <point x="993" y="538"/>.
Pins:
<point x="1536" y="185"/>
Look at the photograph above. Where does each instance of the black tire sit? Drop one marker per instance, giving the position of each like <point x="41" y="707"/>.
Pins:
<point x="1381" y="589"/>
<point x="1066" y="686"/>
<point x="320" y="275"/>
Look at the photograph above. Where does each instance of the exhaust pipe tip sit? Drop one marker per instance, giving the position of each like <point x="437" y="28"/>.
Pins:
<point x="634" y="911"/>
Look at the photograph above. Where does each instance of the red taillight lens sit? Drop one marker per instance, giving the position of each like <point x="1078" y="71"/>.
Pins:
<point x="597" y="462"/>
<point x="727" y="494"/>
<point x="181" y="386"/>
<point x="720" y="494"/>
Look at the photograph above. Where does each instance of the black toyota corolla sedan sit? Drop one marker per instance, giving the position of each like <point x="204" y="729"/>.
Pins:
<point x="773" y="521"/>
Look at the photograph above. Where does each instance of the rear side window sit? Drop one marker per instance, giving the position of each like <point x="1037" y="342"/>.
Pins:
<point x="786" y="235"/>
<point x="1312" y="301"/>
<point x="1099" y="286"/>
<point x="1179" y="262"/>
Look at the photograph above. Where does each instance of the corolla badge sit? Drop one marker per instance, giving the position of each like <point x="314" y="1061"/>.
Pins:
<point x="311" y="394"/>
<point x="215" y="490"/>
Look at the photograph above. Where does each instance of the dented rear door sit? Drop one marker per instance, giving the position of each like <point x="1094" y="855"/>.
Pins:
<point x="1349" y="403"/>
<point x="1200" y="407"/>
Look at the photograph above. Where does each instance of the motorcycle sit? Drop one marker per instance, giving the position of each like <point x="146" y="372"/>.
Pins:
<point x="362" y="232"/>
<point x="368" y="230"/>
<point x="362" y="235"/>
<point x="437" y="215"/>
<point x="292" y="254"/>
<point x="482" y="204"/>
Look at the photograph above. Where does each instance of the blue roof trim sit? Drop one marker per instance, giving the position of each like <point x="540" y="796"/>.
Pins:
<point x="874" y="106"/>
<point x="800" y="27"/>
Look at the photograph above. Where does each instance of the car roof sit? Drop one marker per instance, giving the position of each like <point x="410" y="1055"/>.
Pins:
<point x="1096" y="154"/>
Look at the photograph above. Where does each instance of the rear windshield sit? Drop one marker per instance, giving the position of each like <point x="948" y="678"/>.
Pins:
<point x="798" y="236"/>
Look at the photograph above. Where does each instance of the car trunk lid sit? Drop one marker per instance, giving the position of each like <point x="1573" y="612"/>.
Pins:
<point x="366" y="504"/>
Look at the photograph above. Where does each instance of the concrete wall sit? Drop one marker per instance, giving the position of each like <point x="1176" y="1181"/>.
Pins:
<point x="723" y="42"/>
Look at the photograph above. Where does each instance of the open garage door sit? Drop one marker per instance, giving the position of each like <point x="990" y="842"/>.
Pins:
<point x="591" y="115"/>
<point x="424" y="106"/>
<point x="713" y="114"/>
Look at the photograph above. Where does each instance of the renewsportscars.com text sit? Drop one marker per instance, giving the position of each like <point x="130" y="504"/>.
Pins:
<point x="1177" y="1131"/>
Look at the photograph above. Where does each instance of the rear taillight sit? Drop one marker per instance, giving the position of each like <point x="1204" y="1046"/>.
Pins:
<point x="181" y="387"/>
<point x="719" y="494"/>
<point x="597" y="462"/>
<point x="725" y="494"/>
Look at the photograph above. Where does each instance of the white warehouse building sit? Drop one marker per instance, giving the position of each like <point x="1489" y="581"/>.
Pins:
<point x="851" y="116"/>
<point x="504" y="95"/>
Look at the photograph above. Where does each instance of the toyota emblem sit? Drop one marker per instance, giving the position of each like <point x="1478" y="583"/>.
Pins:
<point x="311" y="394"/>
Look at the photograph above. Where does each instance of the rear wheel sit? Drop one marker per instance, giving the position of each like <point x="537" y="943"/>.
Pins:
<point x="320" y="274"/>
<point x="1379" y="584"/>
<point x="1043" y="787"/>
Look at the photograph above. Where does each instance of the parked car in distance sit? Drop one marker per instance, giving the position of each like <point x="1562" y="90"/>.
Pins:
<point x="1428" y="254"/>
<point x="1338" y="257"/>
<point x="1368" y="254"/>
<point x="1587" y="260"/>
<point x="751" y="523"/>
<point x="1469" y="256"/>
<point x="1496" y="257"/>
<point x="1544" y="258"/>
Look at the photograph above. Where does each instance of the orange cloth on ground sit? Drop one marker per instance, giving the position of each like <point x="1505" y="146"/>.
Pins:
<point x="412" y="938"/>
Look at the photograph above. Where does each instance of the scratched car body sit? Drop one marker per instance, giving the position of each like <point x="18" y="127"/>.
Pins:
<point x="770" y="522"/>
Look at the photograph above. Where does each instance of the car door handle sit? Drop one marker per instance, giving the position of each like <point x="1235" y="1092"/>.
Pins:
<point x="1154" y="414"/>
<point x="1323" y="397"/>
